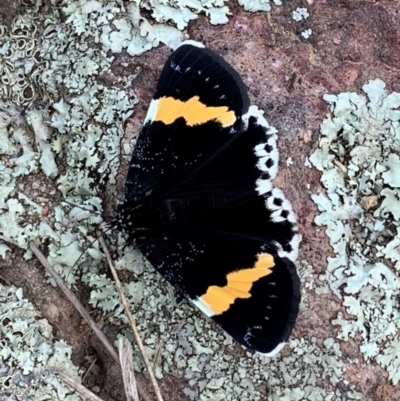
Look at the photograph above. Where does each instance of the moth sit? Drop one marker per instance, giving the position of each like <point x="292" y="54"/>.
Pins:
<point x="201" y="206"/>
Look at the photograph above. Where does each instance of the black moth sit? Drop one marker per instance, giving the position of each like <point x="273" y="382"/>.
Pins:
<point x="201" y="206"/>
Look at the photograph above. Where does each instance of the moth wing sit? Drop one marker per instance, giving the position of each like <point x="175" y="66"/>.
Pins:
<point x="201" y="175"/>
<point x="241" y="283"/>
<point x="195" y="112"/>
<point x="232" y="192"/>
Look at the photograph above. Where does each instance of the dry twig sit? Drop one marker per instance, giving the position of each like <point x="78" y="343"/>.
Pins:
<point x="79" y="388"/>
<point x="74" y="300"/>
<point x="158" y="356"/>
<point x="131" y="321"/>
<point x="128" y="374"/>
<point x="84" y="313"/>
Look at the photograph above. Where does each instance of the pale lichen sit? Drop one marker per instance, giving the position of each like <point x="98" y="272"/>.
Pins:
<point x="131" y="30"/>
<point x="78" y="124"/>
<point x="307" y="33"/>
<point x="358" y="156"/>
<point x="300" y="13"/>
<point x="30" y="357"/>
<point x="258" y="5"/>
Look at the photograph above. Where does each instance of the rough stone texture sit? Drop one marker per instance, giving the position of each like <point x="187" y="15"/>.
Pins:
<point x="351" y="42"/>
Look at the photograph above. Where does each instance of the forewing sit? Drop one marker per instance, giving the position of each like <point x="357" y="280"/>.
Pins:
<point x="195" y="112"/>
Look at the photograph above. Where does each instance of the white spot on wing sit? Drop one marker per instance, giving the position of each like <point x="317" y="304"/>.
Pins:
<point x="151" y="112"/>
<point x="265" y="152"/>
<point x="203" y="307"/>
<point x="275" y="350"/>
<point x="192" y="43"/>
<point x="175" y="67"/>
<point x="263" y="186"/>
<point x="254" y="111"/>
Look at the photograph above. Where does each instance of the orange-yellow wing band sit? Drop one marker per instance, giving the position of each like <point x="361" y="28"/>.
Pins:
<point x="219" y="299"/>
<point x="169" y="109"/>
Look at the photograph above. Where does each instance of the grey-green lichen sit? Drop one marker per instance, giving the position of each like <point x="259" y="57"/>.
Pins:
<point x="29" y="355"/>
<point x="118" y="26"/>
<point x="300" y="13"/>
<point x="358" y="155"/>
<point x="69" y="135"/>
<point x="79" y="129"/>
<point x="214" y="367"/>
<point x="258" y="5"/>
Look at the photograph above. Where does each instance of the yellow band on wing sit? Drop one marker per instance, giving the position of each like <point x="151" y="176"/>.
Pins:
<point x="193" y="111"/>
<point x="219" y="299"/>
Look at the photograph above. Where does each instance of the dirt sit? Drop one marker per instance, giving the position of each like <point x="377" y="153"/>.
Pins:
<point x="351" y="42"/>
<point x="8" y="11"/>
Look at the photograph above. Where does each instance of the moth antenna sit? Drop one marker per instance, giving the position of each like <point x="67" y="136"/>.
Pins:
<point x="82" y="207"/>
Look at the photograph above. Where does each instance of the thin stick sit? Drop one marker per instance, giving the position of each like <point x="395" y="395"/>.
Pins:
<point x="6" y="281"/>
<point x="128" y="374"/>
<point x="79" y="388"/>
<point x="89" y="368"/>
<point x="100" y="321"/>
<point x="131" y="321"/>
<point x="158" y="355"/>
<point x="155" y="361"/>
<point x="84" y="313"/>
<point x="74" y="300"/>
